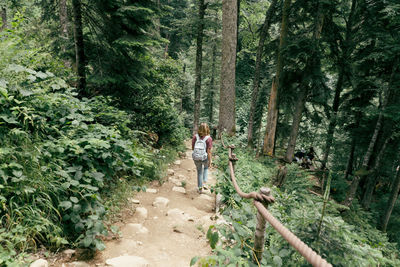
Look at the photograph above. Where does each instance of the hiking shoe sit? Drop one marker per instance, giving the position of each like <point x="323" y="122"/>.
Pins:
<point x="205" y="187"/>
<point x="199" y="190"/>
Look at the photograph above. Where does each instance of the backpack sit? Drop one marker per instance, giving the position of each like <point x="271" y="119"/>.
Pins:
<point x="200" y="149"/>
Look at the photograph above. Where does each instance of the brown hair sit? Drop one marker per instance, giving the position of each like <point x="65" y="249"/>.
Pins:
<point x="204" y="129"/>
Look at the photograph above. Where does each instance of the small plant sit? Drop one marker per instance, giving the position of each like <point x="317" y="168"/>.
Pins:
<point x="200" y="228"/>
<point x="183" y="183"/>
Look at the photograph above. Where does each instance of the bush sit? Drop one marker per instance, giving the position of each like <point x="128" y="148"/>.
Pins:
<point x="343" y="241"/>
<point x="59" y="155"/>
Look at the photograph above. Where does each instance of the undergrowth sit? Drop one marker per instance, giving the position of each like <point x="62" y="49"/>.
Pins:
<point x="343" y="241"/>
<point x="65" y="161"/>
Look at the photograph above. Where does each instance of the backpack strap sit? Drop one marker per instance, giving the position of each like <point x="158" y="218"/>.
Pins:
<point x="197" y="137"/>
<point x="205" y="138"/>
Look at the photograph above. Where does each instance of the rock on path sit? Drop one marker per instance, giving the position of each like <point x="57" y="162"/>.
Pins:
<point x="179" y="189"/>
<point x="161" y="202"/>
<point x="39" y="263"/>
<point x="128" y="261"/>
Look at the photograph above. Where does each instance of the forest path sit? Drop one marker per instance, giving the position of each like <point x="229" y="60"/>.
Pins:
<point x="160" y="234"/>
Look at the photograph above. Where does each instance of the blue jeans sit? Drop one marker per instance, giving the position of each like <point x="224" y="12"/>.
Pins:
<point x="202" y="172"/>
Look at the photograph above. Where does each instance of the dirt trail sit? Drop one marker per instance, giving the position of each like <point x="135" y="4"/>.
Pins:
<point x="175" y="233"/>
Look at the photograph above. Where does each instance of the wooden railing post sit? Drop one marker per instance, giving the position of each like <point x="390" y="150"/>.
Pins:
<point x="260" y="229"/>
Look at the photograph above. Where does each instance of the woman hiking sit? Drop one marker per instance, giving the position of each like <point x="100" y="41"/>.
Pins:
<point x="201" y="146"/>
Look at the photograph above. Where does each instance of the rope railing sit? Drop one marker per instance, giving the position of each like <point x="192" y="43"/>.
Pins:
<point x="261" y="201"/>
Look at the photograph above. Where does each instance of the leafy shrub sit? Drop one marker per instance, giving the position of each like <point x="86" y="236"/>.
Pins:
<point x="59" y="155"/>
<point x="343" y="241"/>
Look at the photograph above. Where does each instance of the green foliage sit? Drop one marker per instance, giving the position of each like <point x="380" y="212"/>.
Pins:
<point x="59" y="155"/>
<point x="212" y="237"/>
<point x="342" y="241"/>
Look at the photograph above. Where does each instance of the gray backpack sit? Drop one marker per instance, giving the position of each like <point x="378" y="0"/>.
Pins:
<point x="200" y="149"/>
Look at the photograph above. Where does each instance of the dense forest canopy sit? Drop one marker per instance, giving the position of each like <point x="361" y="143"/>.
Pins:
<point x="92" y="91"/>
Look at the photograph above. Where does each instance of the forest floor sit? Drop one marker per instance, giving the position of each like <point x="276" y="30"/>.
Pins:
<point x="164" y="226"/>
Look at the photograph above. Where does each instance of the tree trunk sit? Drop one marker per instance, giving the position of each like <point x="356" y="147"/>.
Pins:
<point x="237" y="26"/>
<point x="311" y="64"/>
<point x="339" y="84"/>
<point x="262" y="102"/>
<point x="199" y="64"/>
<point x="183" y="94"/>
<point x="371" y="178"/>
<point x="356" y="180"/>
<point x="391" y="201"/>
<point x="63" y="20"/>
<point x="64" y="31"/>
<point x="349" y="167"/>
<point x="301" y="100"/>
<point x="79" y="45"/>
<point x="228" y="64"/>
<point x="272" y="117"/>
<point x="212" y="85"/>
<point x="256" y="82"/>
<point x="4" y="19"/>
<point x="364" y="167"/>
<point x="332" y="123"/>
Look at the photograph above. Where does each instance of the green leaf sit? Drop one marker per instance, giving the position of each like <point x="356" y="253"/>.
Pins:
<point x="194" y="260"/>
<point x="74" y="199"/>
<point x="99" y="245"/>
<point x="283" y="253"/>
<point x="66" y="204"/>
<point x="41" y="75"/>
<point x="87" y="241"/>
<point x="66" y="185"/>
<point x="79" y="227"/>
<point x="9" y="119"/>
<point x="17" y="173"/>
<point x="212" y="237"/>
<point x="98" y="176"/>
<point x="3" y="91"/>
<point x="277" y="260"/>
<point x="24" y="92"/>
<point x="114" y="229"/>
<point x="16" y="68"/>
<point x="78" y="175"/>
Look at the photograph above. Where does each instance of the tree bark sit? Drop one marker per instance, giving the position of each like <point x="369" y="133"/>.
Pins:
<point x="272" y="117"/>
<point x="64" y="30"/>
<point x="237" y="26"/>
<point x="212" y="85"/>
<point x="183" y="94"/>
<point x="296" y="123"/>
<point x="4" y="19"/>
<point x="199" y="64"/>
<point x="228" y="65"/>
<point x="79" y="45"/>
<point x="311" y="64"/>
<point x="391" y="201"/>
<point x="350" y="161"/>
<point x="63" y="20"/>
<point x="372" y="176"/>
<point x="256" y="81"/>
